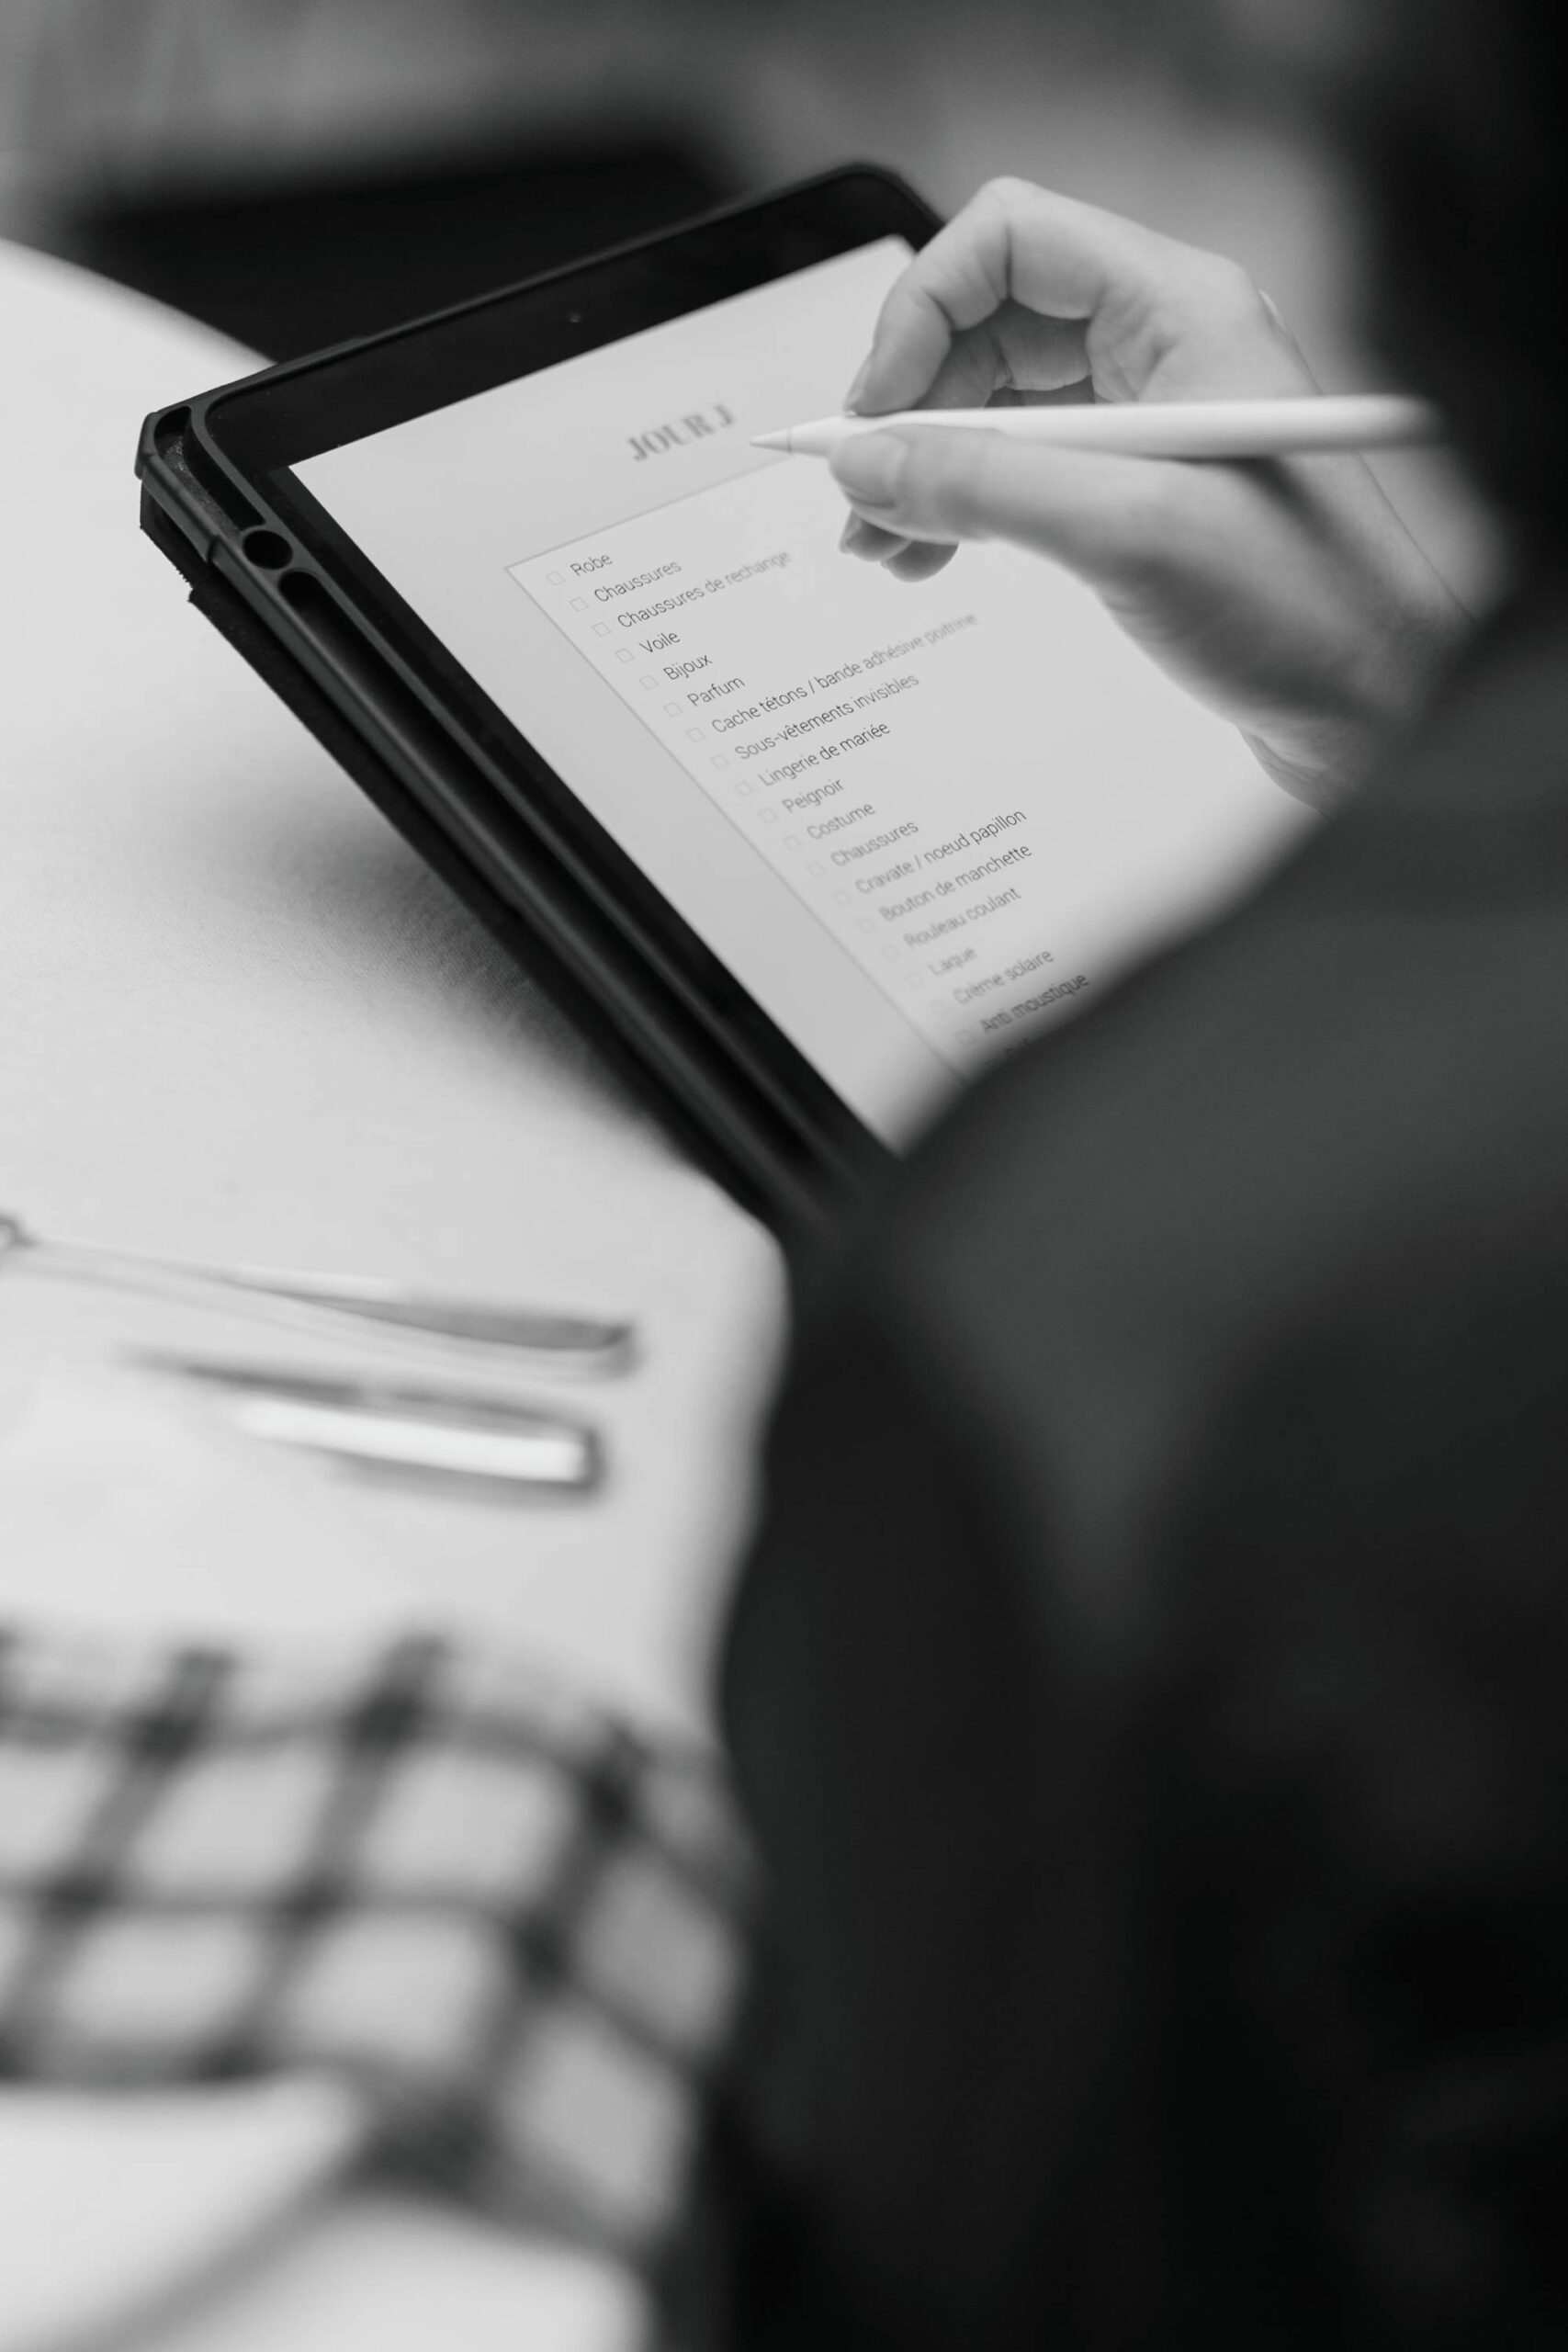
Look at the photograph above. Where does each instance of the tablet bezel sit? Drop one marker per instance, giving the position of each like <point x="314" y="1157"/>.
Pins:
<point x="775" y="1127"/>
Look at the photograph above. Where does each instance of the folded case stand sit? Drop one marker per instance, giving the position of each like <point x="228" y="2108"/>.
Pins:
<point x="755" y="1158"/>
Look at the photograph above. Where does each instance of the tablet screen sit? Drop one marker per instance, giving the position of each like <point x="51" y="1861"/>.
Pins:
<point x="916" y="823"/>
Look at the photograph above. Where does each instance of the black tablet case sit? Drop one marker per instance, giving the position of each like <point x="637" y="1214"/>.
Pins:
<point x="725" y="1116"/>
<point x="754" y="1166"/>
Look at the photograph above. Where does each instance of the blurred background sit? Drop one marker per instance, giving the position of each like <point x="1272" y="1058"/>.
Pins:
<point x="299" y="171"/>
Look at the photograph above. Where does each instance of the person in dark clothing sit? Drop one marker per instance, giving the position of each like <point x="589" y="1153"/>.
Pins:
<point x="1148" y="1689"/>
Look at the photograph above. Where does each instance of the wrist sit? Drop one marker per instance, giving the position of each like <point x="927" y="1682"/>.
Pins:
<point x="1323" y="756"/>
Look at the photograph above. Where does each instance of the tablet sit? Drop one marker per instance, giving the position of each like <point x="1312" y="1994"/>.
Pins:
<point x="806" y="847"/>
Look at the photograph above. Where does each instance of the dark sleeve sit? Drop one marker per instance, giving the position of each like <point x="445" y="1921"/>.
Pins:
<point x="891" y="2157"/>
<point x="1226" y="2004"/>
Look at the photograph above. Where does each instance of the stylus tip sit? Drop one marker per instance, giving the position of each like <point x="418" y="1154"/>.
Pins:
<point x="772" y="441"/>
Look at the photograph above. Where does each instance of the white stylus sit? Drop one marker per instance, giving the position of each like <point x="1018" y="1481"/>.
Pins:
<point x="1267" y="428"/>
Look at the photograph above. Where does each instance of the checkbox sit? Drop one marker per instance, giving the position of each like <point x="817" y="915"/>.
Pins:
<point x="769" y="816"/>
<point x="743" y="786"/>
<point x="693" y="734"/>
<point x="865" y="923"/>
<point x="914" y="980"/>
<point x="623" y="654"/>
<point x="673" y="710"/>
<point x="842" y="896"/>
<point x="646" y="684"/>
<point x="601" y="629"/>
<point x="817" y="870"/>
<point x="719" y="759"/>
<point x="791" y="841"/>
<point x="555" y="579"/>
<point x="891" y="954"/>
<point x="967" y="1037"/>
<point x="580" y="604"/>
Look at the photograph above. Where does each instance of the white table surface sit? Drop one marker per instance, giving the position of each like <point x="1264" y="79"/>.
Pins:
<point x="239" y="1021"/>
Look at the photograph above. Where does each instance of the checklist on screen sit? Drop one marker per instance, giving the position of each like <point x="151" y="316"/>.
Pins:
<point x="918" y="823"/>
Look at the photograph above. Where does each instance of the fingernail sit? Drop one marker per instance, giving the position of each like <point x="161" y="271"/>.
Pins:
<point x="861" y="539"/>
<point x="871" y="468"/>
<point x="851" y="398"/>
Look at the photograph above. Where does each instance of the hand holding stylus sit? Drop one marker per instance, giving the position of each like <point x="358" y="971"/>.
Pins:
<point x="1284" y="591"/>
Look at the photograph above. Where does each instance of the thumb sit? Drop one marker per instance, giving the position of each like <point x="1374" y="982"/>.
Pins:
<point x="1103" y="517"/>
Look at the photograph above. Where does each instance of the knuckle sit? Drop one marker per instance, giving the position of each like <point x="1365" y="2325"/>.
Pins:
<point x="1208" y="296"/>
<point x="1007" y="193"/>
<point x="1228" y="292"/>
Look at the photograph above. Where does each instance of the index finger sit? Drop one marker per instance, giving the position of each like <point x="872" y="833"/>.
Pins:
<point x="1052" y="255"/>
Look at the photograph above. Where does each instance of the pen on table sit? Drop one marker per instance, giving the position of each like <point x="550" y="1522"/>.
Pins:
<point x="1266" y="429"/>
<point x="374" y="1423"/>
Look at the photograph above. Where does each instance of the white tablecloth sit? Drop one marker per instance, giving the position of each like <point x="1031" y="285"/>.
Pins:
<point x="239" y="1021"/>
